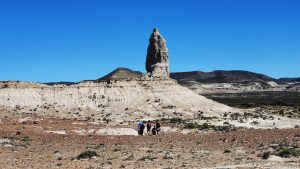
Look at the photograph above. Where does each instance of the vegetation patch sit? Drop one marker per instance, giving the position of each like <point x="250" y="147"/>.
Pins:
<point x="257" y="99"/>
<point x="173" y="120"/>
<point x="147" y="158"/>
<point x="193" y="125"/>
<point x="265" y="155"/>
<point x="227" y="151"/>
<point x="288" y="152"/>
<point x="176" y="120"/>
<point x="87" y="155"/>
<point x="204" y="126"/>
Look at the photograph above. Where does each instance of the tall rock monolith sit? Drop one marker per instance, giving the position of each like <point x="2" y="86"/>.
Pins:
<point x="157" y="62"/>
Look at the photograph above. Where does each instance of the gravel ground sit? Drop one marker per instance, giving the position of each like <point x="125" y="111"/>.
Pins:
<point x="29" y="145"/>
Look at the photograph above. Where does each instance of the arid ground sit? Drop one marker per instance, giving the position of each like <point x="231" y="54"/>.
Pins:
<point x="27" y="141"/>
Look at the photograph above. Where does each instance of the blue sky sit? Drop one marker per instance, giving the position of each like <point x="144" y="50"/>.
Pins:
<point x="74" y="40"/>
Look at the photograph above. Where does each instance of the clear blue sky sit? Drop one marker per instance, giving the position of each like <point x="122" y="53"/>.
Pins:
<point x="74" y="40"/>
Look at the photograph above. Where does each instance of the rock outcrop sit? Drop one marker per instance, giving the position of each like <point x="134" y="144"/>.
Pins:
<point x="157" y="62"/>
<point x="120" y="100"/>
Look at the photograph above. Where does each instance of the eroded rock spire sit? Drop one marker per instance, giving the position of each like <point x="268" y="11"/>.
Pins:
<point x="157" y="62"/>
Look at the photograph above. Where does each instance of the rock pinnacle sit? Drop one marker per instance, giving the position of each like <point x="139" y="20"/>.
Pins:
<point x="157" y="62"/>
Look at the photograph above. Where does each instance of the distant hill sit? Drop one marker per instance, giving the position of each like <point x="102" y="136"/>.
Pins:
<point x="221" y="76"/>
<point x="288" y="80"/>
<point x="121" y="74"/>
<point x="217" y="76"/>
<point x="60" y="83"/>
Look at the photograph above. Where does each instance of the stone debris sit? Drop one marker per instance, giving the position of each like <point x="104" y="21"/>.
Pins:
<point x="25" y="120"/>
<point x="5" y="142"/>
<point x="61" y="132"/>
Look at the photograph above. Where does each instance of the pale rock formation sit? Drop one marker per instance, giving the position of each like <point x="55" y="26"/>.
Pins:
<point x="157" y="62"/>
<point x="121" y="100"/>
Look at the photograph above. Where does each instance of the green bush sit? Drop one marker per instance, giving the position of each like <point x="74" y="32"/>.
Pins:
<point x="191" y="125"/>
<point x="288" y="152"/>
<point x="226" y="128"/>
<point x="199" y="126"/>
<point x="176" y="120"/>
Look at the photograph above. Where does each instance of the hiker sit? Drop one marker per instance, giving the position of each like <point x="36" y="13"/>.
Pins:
<point x="149" y="127"/>
<point x="154" y="130"/>
<point x="157" y="125"/>
<point x="141" y="128"/>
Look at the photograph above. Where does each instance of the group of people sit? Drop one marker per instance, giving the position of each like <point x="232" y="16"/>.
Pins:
<point x="152" y="127"/>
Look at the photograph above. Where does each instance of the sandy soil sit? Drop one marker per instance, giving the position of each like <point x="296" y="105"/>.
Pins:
<point x="41" y="142"/>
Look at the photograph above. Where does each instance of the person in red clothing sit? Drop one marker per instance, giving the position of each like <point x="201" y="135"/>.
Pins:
<point x="157" y="125"/>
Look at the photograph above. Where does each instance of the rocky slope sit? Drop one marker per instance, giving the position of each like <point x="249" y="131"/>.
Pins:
<point x="114" y="100"/>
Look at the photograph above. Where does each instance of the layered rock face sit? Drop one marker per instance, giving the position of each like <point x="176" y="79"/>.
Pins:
<point x="121" y="100"/>
<point x="157" y="62"/>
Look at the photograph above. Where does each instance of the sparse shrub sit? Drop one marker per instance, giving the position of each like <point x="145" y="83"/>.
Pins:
<point x="176" y="120"/>
<point x="226" y="123"/>
<point x="26" y="139"/>
<point x="288" y="152"/>
<point x="198" y="126"/>
<point x="256" y="116"/>
<point x="101" y="145"/>
<point x="234" y="116"/>
<point x="208" y="118"/>
<point x="265" y="155"/>
<point x="5" y="86"/>
<point x="226" y="128"/>
<point x="191" y="125"/>
<point x="207" y="126"/>
<point x="18" y="107"/>
<point x="147" y="158"/>
<point x="169" y="107"/>
<point x="87" y="155"/>
<point x="285" y="153"/>
<point x="227" y="151"/>
<point x="168" y="155"/>
<point x="129" y="158"/>
<point x="157" y="100"/>
<point x="238" y="159"/>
